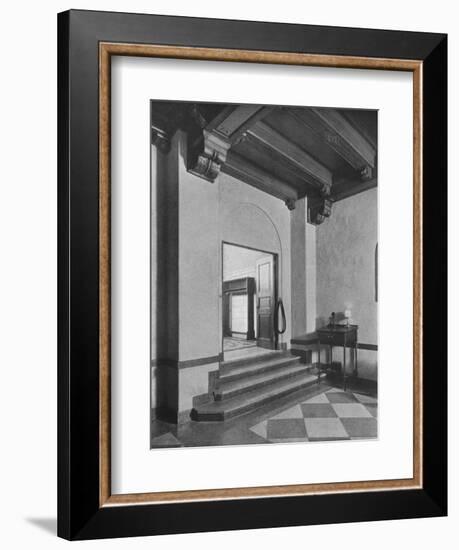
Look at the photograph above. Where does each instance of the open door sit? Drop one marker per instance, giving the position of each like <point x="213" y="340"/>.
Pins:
<point x="266" y="300"/>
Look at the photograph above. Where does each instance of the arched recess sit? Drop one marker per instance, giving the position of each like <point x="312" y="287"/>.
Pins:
<point x="248" y="224"/>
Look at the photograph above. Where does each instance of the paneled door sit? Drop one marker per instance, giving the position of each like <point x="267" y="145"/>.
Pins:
<point x="266" y="291"/>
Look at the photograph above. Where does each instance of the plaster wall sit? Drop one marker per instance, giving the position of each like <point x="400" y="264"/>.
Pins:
<point x="252" y="218"/>
<point x="199" y="259"/>
<point x="298" y="264"/>
<point x="191" y="218"/>
<point x="346" y="244"/>
<point x="303" y="270"/>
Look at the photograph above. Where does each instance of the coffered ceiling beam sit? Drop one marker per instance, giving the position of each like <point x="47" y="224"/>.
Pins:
<point x="340" y="135"/>
<point x="345" y="188"/>
<point x="240" y="168"/>
<point x="234" y="120"/>
<point x="308" y="168"/>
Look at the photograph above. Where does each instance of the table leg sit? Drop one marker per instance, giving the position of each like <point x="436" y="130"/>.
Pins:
<point x="318" y="366"/>
<point x="344" y="363"/>
<point x="356" y="368"/>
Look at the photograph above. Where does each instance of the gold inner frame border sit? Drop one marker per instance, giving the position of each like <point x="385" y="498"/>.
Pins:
<point x="106" y="51"/>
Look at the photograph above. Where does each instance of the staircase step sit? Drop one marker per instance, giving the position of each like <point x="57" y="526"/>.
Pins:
<point x="250" y="359"/>
<point x="254" y="369"/>
<point x="228" y="389"/>
<point x="228" y="408"/>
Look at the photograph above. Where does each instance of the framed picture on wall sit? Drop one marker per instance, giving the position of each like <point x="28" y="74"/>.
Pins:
<point x="252" y="251"/>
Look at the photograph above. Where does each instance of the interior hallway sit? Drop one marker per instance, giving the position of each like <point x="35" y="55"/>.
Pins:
<point x="264" y="226"/>
<point x="320" y="413"/>
<point x="233" y="344"/>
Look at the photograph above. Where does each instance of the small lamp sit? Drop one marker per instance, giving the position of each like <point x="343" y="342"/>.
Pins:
<point x="347" y="315"/>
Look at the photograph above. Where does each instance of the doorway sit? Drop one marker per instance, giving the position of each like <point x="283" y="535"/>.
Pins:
<point x="249" y="296"/>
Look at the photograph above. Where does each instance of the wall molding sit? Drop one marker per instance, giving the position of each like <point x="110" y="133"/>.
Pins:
<point x="370" y="347"/>
<point x="171" y="416"/>
<point x="174" y="363"/>
<point x="312" y="340"/>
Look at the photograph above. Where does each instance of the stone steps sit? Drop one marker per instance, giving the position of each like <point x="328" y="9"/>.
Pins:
<point x="245" y="385"/>
<point x="229" y="389"/>
<point x="230" y="374"/>
<point x="261" y="357"/>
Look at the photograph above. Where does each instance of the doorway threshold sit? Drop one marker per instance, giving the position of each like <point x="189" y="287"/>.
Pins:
<point x="246" y="353"/>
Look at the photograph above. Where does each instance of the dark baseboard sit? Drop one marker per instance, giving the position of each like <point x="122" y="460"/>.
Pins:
<point x="165" y="414"/>
<point x="370" y="347"/>
<point x="174" y="363"/>
<point x="358" y="384"/>
<point x="171" y="416"/>
<point x="312" y="340"/>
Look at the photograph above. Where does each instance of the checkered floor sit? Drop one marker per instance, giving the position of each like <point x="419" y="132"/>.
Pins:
<point x="329" y="416"/>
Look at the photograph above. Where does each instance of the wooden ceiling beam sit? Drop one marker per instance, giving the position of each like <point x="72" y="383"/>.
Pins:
<point x="210" y="151"/>
<point x="240" y="168"/>
<point x="307" y="167"/>
<point x="345" y="188"/>
<point x="338" y="133"/>
<point x="234" y="120"/>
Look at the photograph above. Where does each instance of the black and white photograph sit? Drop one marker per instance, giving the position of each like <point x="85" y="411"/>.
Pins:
<point x="264" y="274"/>
<point x="229" y="275"/>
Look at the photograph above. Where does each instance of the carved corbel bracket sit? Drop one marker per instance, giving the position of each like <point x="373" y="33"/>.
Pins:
<point x="290" y="204"/>
<point x="326" y="189"/>
<point x="318" y="210"/>
<point x="207" y="166"/>
<point x="206" y="153"/>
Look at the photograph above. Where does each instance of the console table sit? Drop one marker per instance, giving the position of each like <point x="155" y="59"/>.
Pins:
<point x="344" y="336"/>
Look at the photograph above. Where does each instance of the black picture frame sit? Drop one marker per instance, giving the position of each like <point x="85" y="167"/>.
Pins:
<point x="80" y="515"/>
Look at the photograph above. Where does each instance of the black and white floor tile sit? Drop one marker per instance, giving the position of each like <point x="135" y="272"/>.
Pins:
<point x="329" y="416"/>
<point x="321" y="415"/>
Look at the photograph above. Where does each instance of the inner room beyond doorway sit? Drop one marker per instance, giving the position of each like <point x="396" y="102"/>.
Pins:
<point x="249" y="288"/>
